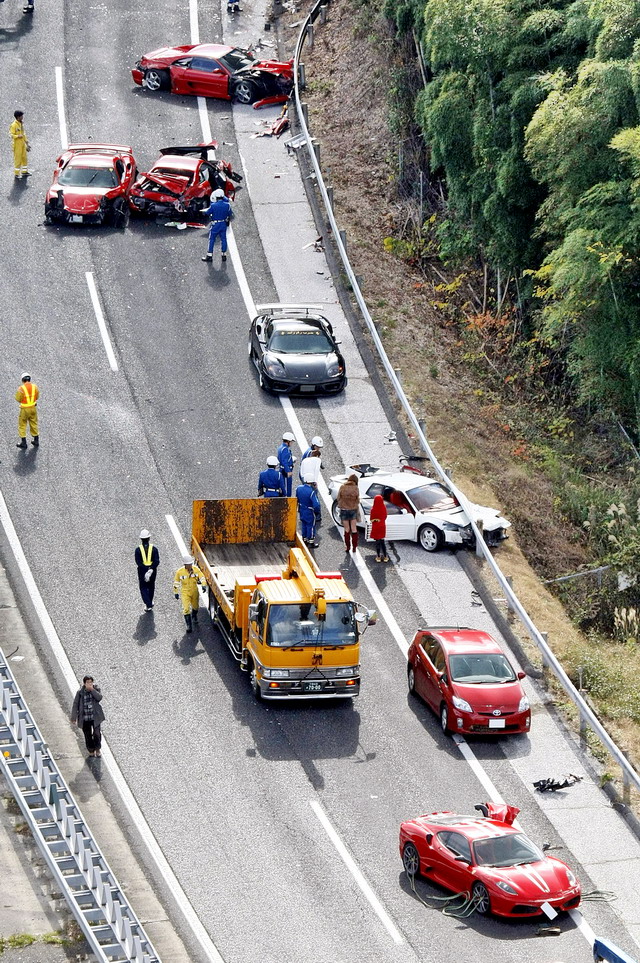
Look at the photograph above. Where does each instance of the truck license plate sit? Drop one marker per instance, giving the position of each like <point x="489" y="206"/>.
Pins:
<point x="312" y="686"/>
<point x="496" y="723"/>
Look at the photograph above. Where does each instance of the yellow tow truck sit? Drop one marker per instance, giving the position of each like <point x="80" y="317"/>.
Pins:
<point x="295" y="629"/>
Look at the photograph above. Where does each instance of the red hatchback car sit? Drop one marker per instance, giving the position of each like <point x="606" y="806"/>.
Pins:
<point x="468" y="681"/>
<point x="91" y="185"/>
<point x="489" y="858"/>
<point x="213" y="70"/>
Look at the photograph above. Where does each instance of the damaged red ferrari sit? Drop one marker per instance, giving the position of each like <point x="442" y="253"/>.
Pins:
<point x="181" y="182"/>
<point x="490" y="860"/>
<point x="213" y="70"/>
<point x="91" y="185"/>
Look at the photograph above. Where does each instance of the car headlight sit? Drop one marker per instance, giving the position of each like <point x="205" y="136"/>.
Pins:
<point x="346" y="670"/>
<point x="572" y="880"/>
<point x="451" y="527"/>
<point x="274" y="368"/>
<point x="500" y="883"/>
<point x="334" y="370"/>
<point x="461" y="704"/>
<point x="276" y="673"/>
<point x="523" y="704"/>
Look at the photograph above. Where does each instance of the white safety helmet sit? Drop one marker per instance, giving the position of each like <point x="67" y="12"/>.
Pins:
<point x="188" y="559"/>
<point x="218" y="193"/>
<point x="288" y="436"/>
<point x="25" y="376"/>
<point x="145" y="534"/>
<point x="317" y="441"/>
<point x="272" y="461"/>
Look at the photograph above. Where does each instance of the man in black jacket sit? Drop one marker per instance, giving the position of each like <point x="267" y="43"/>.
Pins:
<point x="88" y="714"/>
<point x="147" y="559"/>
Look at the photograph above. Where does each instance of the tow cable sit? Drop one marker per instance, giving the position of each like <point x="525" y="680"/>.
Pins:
<point x="467" y="905"/>
<point x="602" y="895"/>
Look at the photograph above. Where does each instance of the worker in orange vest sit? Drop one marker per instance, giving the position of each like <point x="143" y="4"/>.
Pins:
<point x="27" y="397"/>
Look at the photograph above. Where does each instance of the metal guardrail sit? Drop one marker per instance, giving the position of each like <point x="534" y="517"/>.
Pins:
<point x="77" y="865"/>
<point x="587" y="716"/>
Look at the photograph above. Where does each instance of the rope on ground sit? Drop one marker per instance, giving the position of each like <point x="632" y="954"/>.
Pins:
<point x="467" y="905"/>
<point x="602" y="895"/>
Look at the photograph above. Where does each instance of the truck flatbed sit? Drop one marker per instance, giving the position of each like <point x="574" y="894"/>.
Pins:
<point x="240" y="561"/>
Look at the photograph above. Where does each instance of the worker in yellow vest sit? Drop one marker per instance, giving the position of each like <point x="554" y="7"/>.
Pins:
<point x="185" y="587"/>
<point x="20" y="145"/>
<point x="147" y="558"/>
<point x="27" y="397"/>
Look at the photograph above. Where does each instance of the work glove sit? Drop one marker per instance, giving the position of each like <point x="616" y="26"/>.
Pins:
<point x="176" y="596"/>
<point x="148" y="574"/>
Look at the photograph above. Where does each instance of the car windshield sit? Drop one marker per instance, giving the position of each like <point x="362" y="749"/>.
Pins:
<point x="510" y="850"/>
<point x="295" y="624"/>
<point x="300" y="342"/>
<point x="88" y="177"/>
<point x="237" y="59"/>
<point x="171" y="172"/>
<point x="431" y="498"/>
<point x="481" y="668"/>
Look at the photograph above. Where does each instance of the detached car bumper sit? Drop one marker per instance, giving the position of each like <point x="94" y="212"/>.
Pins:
<point x="137" y="75"/>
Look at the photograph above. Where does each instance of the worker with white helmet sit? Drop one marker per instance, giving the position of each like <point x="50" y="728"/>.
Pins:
<point x="310" y="467"/>
<point x="316" y="446"/>
<point x="147" y="559"/>
<point x="185" y="587"/>
<point x="27" y="397"/>
<point x="220" y="213"/>
<point x="286" y="460"/>
<point x="271" y="482"/>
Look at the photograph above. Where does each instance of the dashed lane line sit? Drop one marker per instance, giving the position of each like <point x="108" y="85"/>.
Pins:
<point x="102" y="324"/>
<point x="62" y="120"/>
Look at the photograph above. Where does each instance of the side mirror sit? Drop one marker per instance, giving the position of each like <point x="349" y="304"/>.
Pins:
<point x="372" y="617"/>
<point x="546" y="847"/>
<point x="463" y="859"/>
<point x="522" y="675"/>
<point x="253" y="612"/>
<point x="258" y="329"/>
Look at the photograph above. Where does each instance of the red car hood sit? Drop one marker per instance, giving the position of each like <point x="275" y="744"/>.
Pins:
<point x="83" y="200"/>
<point x="545" y="879"/>
<point x="484" y="698"/>
<point x="174" y="183"/>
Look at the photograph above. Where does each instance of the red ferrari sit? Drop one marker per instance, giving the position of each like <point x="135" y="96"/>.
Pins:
<point x="181" y="182"/>
<point x="468" y="681"/>
<point x="91" y="185"/>
<point x="213" y="70"/>
<point x="487" y="857"/>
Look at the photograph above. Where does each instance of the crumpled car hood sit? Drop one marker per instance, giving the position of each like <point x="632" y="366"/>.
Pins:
<point x="82" y="200"/>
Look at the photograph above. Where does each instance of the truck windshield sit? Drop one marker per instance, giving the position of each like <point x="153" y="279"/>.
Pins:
<point x="296" y="624"/>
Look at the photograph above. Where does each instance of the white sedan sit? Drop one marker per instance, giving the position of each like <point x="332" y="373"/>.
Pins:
<point x="419" y="508"/>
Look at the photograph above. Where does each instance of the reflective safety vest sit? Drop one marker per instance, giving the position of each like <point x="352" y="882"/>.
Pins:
<point x="146" y="559"/>
<point x="29" y="391"/>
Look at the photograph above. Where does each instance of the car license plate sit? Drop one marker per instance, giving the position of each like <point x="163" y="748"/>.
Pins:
<point x="75" y="218"/>
<point x="312" y="686"/>
<point x="496" y="723"/>
<point x="307" y="389"/>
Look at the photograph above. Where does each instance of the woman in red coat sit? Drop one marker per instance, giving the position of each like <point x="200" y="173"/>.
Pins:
<point x="379" y="527"/>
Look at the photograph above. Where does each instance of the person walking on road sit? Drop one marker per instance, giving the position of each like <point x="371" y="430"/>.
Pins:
<point x="315" y="448"/>
<point x="286" y="460"/>
<point x="308" y="507"/>
<point x="185" y="587"/>
<point x="221" y="214"/>
<point x="379" y="528"/>
<point x="87" y="713"/>
<point x="20" y="145"/>
<point x="147" y="559"/>
<point x="349" y="505"/>
<point x="270" y="482"/>
<point x="27" y="397"/>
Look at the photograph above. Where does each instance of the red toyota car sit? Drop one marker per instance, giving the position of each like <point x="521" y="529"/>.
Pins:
<point x="466" y="678"/>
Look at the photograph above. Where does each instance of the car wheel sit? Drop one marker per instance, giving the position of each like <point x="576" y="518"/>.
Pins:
<point x="430" y="538"/>
<point x="155" y="80"/>
<point x="255" y="685"/>
<point x="480" y="896"/>
<point x="411" y="680"/>
<point x="245" y="92"/>
<point x="411" y="860"/>
<point x="335" y="512"/>
<point x="444" y="718"/>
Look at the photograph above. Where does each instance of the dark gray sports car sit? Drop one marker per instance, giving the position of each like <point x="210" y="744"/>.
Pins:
<point x="295" y="351"/>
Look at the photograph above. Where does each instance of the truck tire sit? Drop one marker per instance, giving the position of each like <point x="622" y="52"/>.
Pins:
<point x="255" y="685"/>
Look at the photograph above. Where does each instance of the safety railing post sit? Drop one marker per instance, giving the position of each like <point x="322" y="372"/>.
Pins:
<point x="323" y="13"/>
<point x="316" y="149"/>
<point x="511" y="613"/>
<point x="626" y="785"/>
<point x="302" y="78"/>
<point x="479" y="545"/>
<point x="343" y="238"/>
<point x="310" y="35"/>
<point x="305" y="113"/>
<point x="330" y="196"/>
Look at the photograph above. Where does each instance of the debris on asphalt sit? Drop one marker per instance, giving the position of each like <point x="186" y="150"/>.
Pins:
<point x="553" y="785"/>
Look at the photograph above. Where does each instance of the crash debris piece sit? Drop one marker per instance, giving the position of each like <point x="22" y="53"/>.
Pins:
<point x="553" y="785"/>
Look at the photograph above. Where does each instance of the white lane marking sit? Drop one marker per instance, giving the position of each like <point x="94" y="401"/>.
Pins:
<point x="62" y="120"/>
<point x="468" y="754"/>
<point x="241" y="277"/>
<point x="350" y="863"/>
<point x="193" y="21"/>
<point x="114" y="771"/>
<point x="202" y="101"/>
<point x="175" y="531"/>
<point x="102" y="324"/>
<point x="583" y="926"/>
<point x="204" y="120"/>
